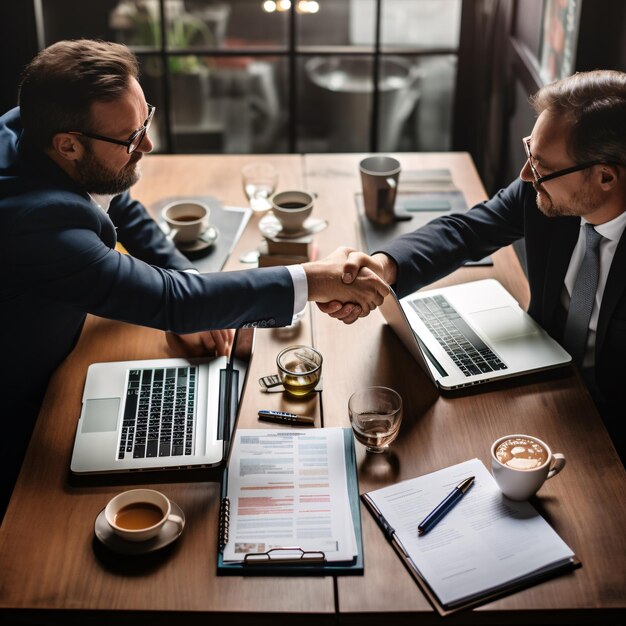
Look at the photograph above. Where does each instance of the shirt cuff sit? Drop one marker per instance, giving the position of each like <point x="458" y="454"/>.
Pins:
<point x="300" y="289"/>
<point x="191" y="270"/>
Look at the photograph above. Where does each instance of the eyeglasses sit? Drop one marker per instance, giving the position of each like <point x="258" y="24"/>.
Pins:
<point x="133" y="142"/>
<point x="539" y="180"/>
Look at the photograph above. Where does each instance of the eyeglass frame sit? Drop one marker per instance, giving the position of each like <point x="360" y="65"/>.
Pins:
<point x="130" y="144"/>
<point x="539" y="180"/>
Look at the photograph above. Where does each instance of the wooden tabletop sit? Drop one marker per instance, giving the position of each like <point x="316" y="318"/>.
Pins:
<point x="55" y="571"/>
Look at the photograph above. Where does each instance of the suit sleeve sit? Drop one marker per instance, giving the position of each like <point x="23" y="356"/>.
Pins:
<point x="443" y="245"/>
<point x="69" y="258"/>
<point x="141" y="235"/>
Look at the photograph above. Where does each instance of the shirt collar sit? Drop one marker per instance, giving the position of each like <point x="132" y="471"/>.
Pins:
<point x="611" y="230"/>
<point x="103" y="201"/>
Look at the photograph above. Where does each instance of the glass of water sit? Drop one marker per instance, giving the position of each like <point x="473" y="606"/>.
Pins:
<point x="375" y="416"/>
<point x="259" y="181"/>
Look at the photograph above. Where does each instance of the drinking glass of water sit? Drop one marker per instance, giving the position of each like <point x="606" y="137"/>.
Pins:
<point x="375" y="416"/>
<point x="259" y="181"/>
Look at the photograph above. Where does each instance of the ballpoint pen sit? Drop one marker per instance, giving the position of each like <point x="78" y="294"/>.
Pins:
<point x="282" y="417"/>
<point x="445" y="505"/>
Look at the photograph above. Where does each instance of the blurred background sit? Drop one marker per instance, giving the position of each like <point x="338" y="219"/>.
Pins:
<point x="266" y="76"/>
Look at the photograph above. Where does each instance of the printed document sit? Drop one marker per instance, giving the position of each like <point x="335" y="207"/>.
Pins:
<point x="288" y="488"/>
<point x="486" y="543"/>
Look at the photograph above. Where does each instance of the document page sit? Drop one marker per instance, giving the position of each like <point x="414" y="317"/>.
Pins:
<point x="485" y="543"/>
<point x="288" y="488"/>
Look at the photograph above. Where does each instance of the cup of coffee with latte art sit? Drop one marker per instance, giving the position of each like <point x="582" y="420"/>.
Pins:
<point x="139" y="514"/>
<point x="522" y="463"/>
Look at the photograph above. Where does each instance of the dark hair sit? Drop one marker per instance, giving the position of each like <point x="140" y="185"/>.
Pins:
<point x="60" y="84"/>
<point x="596" y="103"/>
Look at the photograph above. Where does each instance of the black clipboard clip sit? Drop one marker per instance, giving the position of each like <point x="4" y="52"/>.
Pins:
<point x="284" y="556"/>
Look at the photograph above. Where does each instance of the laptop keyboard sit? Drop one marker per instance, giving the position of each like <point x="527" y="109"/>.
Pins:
<point x="158" y="414"/>
<point x="462" y="344"/>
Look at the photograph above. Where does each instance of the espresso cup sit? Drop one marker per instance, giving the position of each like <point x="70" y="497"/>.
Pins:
<point x="379" y="177"/>
<point x="522" y="463"/>
<point x="291" y="208"/>
<point x="186" y="220"/>
<point x="139" y="514"/>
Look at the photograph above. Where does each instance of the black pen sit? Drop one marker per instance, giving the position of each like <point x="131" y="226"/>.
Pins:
<point x="443" y="507"/>
<point x="282" y="417"/>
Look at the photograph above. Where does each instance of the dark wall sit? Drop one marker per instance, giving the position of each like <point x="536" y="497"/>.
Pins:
<point x="601" y="40"/>
<point x="18" y="45"/>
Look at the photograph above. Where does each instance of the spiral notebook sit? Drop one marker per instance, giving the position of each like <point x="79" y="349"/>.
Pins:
<point x="290" y="504"/>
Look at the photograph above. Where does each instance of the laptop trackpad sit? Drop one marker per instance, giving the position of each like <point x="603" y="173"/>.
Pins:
<point x="100" y="415"/>
<point x="503" y="323"/>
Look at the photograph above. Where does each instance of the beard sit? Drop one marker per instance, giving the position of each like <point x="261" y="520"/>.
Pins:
<point x="581" y="203"/>
<point x="95" y="177"/>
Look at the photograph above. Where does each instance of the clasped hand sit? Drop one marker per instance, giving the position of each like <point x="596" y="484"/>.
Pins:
<point x="364" y="284"/>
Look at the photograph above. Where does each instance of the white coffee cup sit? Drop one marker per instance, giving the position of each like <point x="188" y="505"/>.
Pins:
<point x="291" y="208"/>
<point x="518" y="483"/>
<point x="139" y="514"/>
<point x="187" y="220"/>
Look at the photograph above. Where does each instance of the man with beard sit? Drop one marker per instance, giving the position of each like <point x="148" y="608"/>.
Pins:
<point x="68" y="155"/>
<point x="569" y="204"/>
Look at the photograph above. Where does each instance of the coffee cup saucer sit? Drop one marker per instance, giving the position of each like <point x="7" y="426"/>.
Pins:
<point x="169" y="533"/>
<point x="270" y="226"/>
<point x="204" y="242"/>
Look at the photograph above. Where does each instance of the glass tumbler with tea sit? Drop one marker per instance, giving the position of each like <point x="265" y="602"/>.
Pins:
<point x="299" y="369"/>
<point x="375" y="416"/>
<point x="259" y="181"/>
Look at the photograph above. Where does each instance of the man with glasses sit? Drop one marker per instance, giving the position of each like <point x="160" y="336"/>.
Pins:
<point x="569" y="205"/>
<point x="68" y="155"/>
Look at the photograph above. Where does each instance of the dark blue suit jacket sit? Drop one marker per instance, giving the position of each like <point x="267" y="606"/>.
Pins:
<point x="58" y="262"/>
<point x="446" y="243"/>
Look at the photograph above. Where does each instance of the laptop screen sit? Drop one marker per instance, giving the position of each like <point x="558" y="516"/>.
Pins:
<point x="231" y="392"/>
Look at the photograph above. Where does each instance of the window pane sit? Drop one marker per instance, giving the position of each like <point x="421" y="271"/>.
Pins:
<point x="416" y="106"/>
<point x="150" y="79"/>
<point x="421" y="23"/>
<point x="232" y="105"/>
<point x="335" y="104"/>
<point x="335" y="23"/>
<point x="400" y="88"/>
<point x="232" y="24"/>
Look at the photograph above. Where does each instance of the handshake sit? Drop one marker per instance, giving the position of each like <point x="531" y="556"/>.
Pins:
<point x="348" y="284"/>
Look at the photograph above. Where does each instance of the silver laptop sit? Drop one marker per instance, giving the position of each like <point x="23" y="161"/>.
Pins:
<point x="160" y="414"/>
<point x="471" y="334"/>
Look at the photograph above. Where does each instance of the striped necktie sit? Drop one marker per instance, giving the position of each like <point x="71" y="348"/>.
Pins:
<point x="583" y="297"/>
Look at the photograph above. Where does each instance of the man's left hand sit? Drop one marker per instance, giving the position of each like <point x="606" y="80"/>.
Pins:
<point x="204" y="343"/>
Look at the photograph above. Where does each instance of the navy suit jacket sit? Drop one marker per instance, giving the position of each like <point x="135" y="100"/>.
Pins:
<point x="58" y="262"/>
<point x="446" y="243"/>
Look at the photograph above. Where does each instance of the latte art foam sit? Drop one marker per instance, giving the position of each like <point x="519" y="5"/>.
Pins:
<point x="521" y="454"/>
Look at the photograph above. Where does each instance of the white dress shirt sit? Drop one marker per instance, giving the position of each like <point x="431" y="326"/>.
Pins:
<point x="297" y="273"/>
<point x="611" y="233"/>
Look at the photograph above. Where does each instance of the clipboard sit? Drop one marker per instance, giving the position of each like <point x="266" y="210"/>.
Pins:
<point x="287" y="560"/>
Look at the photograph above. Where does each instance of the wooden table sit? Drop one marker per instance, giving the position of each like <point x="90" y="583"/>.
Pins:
<point x="54" y="571"/>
